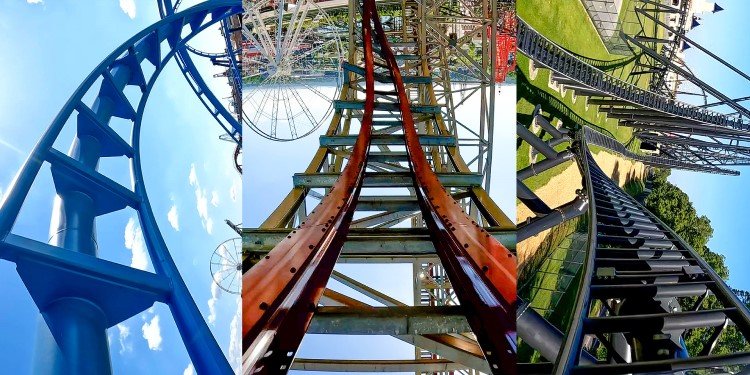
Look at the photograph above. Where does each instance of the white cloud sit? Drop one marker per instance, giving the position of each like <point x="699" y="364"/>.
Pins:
<point x="123" y="332"/>
<point x="201" y="203"/>
<point x="189" y="370"/>
<point x="215" y="290"/>
<point x="235" y="189"/>
<point x="127" y="6"/>
<point x="201" y="200"/>
<point x="193" y="177"/>
<point x="134" y="242"/>
<point x="215" y="198"/>
<point x="174" y="218"/>
<point x="210" y="225"/>
<point x="235" y="353"/>
<point x="35" y="1"/>
<point x="215" y="294"/>
<point x="152" y="333"/>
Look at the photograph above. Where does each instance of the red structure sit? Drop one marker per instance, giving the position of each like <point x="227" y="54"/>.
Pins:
<point x="506" y="45"/>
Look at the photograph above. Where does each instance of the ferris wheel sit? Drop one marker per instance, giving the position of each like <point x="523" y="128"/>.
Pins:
<point x="291" y="67"/>
<point x="226" y="265"/>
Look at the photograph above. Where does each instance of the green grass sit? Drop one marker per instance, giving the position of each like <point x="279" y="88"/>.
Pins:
<point x="567" y="23"/>
<point x="551" y="269"/>
<point x="634" y="187"/>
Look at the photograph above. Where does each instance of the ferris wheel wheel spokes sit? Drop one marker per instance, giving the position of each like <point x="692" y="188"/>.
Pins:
<point x="292" y="70"/>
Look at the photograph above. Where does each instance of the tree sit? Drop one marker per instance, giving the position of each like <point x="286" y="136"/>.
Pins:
<point x="716" y="261"/>
<point x="672" y="206"/>
<point x="743" y="295"/>
<point x="659" y="175"/>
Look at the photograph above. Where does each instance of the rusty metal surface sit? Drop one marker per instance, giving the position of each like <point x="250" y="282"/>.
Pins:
<point x="481" y="269"/>
<point x="279" y="293"/>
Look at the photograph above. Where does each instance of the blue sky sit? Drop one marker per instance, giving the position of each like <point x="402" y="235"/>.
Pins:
<point x="47" y="50"/>
<point x="723" y="199"/>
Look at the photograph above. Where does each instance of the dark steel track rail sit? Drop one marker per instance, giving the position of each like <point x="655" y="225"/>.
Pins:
<point x="635" y="270"/>
<point x="597" y="138"/>
<point x="556" y="58"/>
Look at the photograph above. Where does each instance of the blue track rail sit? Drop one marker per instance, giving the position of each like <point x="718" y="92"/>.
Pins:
<point x="231" y="123"/>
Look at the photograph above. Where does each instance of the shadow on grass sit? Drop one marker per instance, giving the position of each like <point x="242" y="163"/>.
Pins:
<point x="607" y="65"/>
<point x="547" y="270"/>
<point x="552" y="105"/>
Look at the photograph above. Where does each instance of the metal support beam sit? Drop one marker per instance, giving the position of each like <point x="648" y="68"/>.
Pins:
<point x="392" y="320"/>
<point x="558" y="216"/>
<point x="391" y="365"/>
<point x="404" y="243"/>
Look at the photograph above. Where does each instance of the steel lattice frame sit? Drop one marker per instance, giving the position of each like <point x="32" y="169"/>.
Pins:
<point x="378" y="238"/>
<point x="697" y="135"/>
<point x="89" y="294"/>
<point x="637" y="276"/>
<point x="457" y="76"/>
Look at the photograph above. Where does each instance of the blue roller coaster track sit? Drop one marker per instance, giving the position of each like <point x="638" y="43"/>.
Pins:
<point x="80" y="295"/>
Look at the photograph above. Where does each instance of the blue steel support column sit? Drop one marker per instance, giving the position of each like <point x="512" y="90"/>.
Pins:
<point x="75" y="326"/>
<point x="80" y="343"/>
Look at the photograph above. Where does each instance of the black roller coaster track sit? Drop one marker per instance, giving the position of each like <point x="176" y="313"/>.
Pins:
<point x="599" y="139"/>
<point x="556" y="58"/>
<point x="637" y="277"/>
<point x="642" y="287"/>
<point x="686" y="136"/>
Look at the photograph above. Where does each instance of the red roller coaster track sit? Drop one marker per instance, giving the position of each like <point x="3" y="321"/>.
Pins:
<point x="281" y="292"/>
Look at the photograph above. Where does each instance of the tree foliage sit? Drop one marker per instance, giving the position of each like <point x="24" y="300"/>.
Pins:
<point x="660" y="175"/>
<point x="673" y="207"/>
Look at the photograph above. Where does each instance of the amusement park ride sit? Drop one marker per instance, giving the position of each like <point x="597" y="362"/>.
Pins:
<point x="407" y="89"/>
<point x="636" y="273"/>
<point x="392" y="186"/>
<point x="81" y="295"/>
<point x="642" y="288"/>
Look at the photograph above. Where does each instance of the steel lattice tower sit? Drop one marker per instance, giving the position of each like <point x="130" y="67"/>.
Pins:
<point x="82" y="295"/>
<point x="642" y="288"/>
<point x="397" y="102"/>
